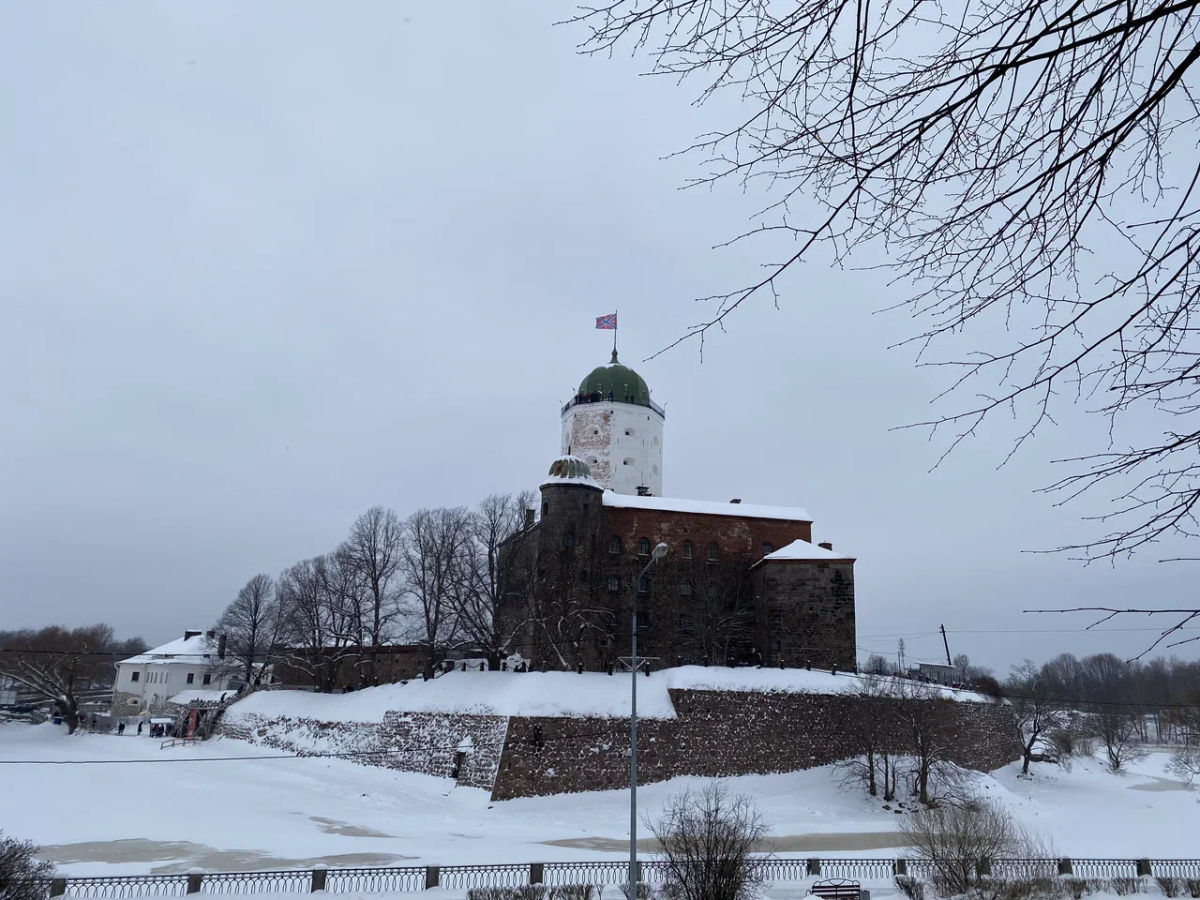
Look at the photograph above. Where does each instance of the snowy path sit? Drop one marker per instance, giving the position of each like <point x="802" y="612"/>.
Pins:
<point x="256" y="813"/>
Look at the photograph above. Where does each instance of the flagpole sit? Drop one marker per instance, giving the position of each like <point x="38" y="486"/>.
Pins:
<point x="616" y="321"/>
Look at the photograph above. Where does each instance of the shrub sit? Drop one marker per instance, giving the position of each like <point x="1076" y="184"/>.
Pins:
<point x="1193" y="886"/>
<point x="953" y="838"/>
<point x="706" y="839"/>
<point x="1170" y="887"/>
<point x="910" y="887"/>
<point x="1123" y="886"/>
<point x="21" y="871"/>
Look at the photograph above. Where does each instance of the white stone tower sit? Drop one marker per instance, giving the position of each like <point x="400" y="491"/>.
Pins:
<point x="614" y="427"/>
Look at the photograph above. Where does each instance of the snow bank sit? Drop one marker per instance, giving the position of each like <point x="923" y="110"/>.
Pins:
<point x="544" y="693"/>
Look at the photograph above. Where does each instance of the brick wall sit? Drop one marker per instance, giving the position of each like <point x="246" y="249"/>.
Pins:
<point x="726" y="733"/>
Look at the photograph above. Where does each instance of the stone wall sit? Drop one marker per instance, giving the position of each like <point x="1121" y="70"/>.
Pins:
<point x="715" y="734"/>
<point x="721" y="733"/>
<point x="805" y="612"/>
<point x="424" y="742"/>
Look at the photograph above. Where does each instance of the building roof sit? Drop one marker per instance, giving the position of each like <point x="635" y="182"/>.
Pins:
<point x="570" y="470"/>
<point x="196" y="649"/>
<point x="802" y="549"/>
<point x="707" y="507"/>
<point x="624" y="384"/>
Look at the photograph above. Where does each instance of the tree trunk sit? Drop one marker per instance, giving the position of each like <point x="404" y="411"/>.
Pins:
<point x="69" y="710"/>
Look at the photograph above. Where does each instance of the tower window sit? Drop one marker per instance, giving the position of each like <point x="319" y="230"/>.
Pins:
<point x="643" y="546"/>
<point x="134" y="676"/>
<point x="545" y="509"/>
<point x="595" y="431"/>
<point x="628" y="432"/>
<point x="713" y="552"/>
<point x="627" y="461"/>
<point x="687" y="549"/>
<point x="614" y="544"/>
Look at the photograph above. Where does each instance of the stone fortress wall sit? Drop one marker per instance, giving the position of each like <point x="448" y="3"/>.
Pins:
<point x="715" y="734"/>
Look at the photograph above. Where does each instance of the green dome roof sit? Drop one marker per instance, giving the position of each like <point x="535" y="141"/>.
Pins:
<point x="624" y="384"/>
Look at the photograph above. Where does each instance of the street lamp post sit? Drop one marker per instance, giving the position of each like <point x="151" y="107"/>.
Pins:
<point x="660" y="550"/>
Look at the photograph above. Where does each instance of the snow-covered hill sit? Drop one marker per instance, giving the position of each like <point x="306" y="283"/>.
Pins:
<point x="226" y="805"/>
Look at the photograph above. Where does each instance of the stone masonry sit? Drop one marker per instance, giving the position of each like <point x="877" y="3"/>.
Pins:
<point x="715" y="734"/>
<point x="722" y="733"/>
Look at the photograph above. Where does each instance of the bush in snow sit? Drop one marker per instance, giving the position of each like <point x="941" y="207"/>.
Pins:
<point x="910" y="887"/>
<point x="20" y="871"/>
<point x="706" y="841"/>
<point x="954" y="838"/>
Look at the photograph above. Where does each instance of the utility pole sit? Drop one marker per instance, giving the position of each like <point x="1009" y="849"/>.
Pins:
<point x="660" y="550"/>
<point x="946" y="644"/>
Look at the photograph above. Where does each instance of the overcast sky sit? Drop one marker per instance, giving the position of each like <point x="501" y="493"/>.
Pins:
<point x="266" y="265"/>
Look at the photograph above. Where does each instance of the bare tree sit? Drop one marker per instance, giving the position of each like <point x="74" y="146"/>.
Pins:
<point x="372" y="554"/>
<point x="986" y="148"/>
<point x="954" y="838"/>
<point x="22" y="874"/>
<point x="1112" y="715"/>
<point x="1039" y="712"/>
<point x="434" y="562"/>
<point x="926" y="736"/>
<point x="498" y="522"/>
<point x="57" y="663"/>
<point x="249" y="625"/>
<point x="706" y="840"/>
<point x="317" y="633"/>
<point x="1185" y="761"/>
<point x="873" y="739"/>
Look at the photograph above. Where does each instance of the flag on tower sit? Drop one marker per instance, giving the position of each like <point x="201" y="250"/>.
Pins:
<point x="608" y="323"/>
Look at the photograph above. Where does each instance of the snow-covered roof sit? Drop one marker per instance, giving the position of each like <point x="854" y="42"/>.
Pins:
<point x="196" y="649"/>
<point x="707" y="507"/>
<point x="801" y="549"/>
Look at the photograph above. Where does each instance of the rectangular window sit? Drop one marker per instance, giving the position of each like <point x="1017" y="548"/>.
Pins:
<point x="191" y="677"/>
<point x="134" y="676"/>
<point x="614" y="583"/>
<point x="207" y="679"/>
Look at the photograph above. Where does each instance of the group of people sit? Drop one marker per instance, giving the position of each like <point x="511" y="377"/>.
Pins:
<point x="157" y="729"/>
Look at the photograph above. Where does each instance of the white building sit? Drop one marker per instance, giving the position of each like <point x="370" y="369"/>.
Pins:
<point x="149" y="679"/>
<point x="612" y="425"/>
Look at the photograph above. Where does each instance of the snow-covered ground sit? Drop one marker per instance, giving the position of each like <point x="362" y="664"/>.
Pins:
<point x="259" y="812"/>
<point x="546" y="693"/>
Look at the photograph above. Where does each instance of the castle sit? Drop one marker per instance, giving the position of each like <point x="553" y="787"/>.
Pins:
<point x="739" y="583"/>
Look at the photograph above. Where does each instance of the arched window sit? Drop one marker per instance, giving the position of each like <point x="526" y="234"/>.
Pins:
<point x="614" y="544"/>
<point x="687" y="549"/>
<point x="643" y="546"/>
<point x="643" y="585"/>
<point x="713" y="552"/>
<point x="768" y="548"/>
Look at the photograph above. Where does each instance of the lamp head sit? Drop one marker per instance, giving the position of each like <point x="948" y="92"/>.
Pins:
<point x="660" y="550"/>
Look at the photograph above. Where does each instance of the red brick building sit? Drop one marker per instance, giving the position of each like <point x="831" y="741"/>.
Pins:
<point x="739" y="583"/>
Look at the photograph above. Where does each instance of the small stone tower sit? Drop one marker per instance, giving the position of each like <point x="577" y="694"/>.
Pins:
<point x="568" y="554"/>
<point x="614" y="427"/>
